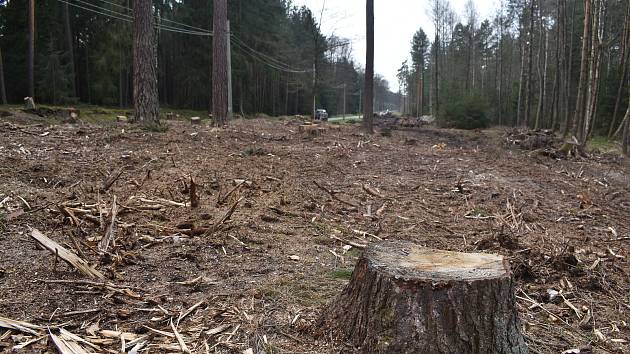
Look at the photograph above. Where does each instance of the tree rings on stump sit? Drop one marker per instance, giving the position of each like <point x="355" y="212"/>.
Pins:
<point x="403" y="298"/>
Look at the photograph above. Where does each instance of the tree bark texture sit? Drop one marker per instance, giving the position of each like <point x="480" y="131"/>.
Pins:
<point x="31" y="48"/>
<point x="403" y="298"/>
<point x="145" y="90"/>
<point x="368" y="109"/>
<point x="219" y="63"/>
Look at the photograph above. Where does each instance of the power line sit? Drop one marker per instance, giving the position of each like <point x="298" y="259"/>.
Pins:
<point x="127" y="18"/>
<point x="266" y="59"/>
<point x="262" y="57"/>
<point x="161" y="19"/>
<point x="255" y="55"/>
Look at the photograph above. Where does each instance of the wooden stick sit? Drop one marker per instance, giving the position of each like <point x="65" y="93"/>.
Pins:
<point x="334" y="195"/>
<point x="107" y="184"/>
<point x="194" y="197"/>
<point x="223" y="199"/>
<point x="77" y="262"/>
<point x="110" y="230"/>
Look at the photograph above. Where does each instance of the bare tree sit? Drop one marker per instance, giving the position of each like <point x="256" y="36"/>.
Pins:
<point x="145" y="91"/>
<point x="625" y="57"/>
<point x="580" y="103"/>
<point x="219" y="63"/>
<point x="31" y="48"/>
<point x="368" y="114"/>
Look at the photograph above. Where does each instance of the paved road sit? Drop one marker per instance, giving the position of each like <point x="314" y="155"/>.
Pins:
<point x="340" y="119"/>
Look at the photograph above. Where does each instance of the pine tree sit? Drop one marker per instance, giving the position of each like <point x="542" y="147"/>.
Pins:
<point x="145" y="92"/>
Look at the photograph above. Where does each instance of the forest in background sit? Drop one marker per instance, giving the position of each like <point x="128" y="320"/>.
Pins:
<point x="556" y="64"/>
<point x="83" y="53"/>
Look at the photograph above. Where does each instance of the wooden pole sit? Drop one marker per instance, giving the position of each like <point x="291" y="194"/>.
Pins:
<point x="219" y="63"/>
<point x="368" y="104"/>
<point x="229" y="70"/>
<point x="3" y="92"/>
<point x="31" y="48"/>
<point x="344" y="101"/>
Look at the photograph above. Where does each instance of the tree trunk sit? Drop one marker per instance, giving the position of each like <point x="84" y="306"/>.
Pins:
<point x="578" y="118"/>
<point x="3" y="91"/>
<point x="368" y="114"/>
<point x="145" y="95"/>
<point x="403" y="298"/>
<point x="594" y="69"/>
<point x="626" y="132"/>
<point x="530" y="67"/>
<point x="219" y="63"/>
<point x="542" y="74"/>
<point x="625" y="54"/>
<point x="70" y="45"/>
<point x="31" y="48"/>
<point x="568" y="121"/>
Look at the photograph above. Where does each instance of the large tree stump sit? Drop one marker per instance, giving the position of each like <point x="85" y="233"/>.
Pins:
<point x="403" y="298"/>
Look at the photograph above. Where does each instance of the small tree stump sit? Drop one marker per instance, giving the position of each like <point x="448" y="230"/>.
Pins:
<point x="195" y="120"/>
<point x="403" y="298"/>
<point x="29" y="103"/>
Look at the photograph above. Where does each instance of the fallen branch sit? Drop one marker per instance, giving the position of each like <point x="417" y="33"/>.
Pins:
<point x="107" y="184"/>
<point x="372" y="191"/>
<point x="334" y="195"/>
<point x="225" y="217"/>
<point x="18" y="325"/>
<point x="77" y="262"/>
<point x="348" y="242"/>
<point x="223" y="199"/>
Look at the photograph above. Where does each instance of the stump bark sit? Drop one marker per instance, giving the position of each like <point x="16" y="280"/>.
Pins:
<point x="403" y="298"/>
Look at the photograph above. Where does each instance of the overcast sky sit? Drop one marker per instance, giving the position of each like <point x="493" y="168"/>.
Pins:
<point x="395" y="22"/>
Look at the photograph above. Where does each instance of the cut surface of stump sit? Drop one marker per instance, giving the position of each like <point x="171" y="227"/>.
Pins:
<point x="403" y="298"/>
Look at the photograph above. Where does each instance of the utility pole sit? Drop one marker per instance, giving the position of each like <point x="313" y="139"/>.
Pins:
<point x="229" y="71"/>
<point x="3" y="92"/>
<point x="219" y="63"/>
<point x="314" y="90"/>
<point x="368" y="105"/>
<point x="344" y="101"/>
<point x="31" y="48"/>
<point x="360" y="103"/>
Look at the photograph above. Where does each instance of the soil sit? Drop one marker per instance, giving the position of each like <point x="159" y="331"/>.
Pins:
<point x="260" y="277"/>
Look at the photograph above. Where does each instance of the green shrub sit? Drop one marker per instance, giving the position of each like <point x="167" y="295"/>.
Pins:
<point x="464" y="113"/>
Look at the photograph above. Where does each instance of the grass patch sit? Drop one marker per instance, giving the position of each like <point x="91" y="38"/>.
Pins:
<point x="603" y="144"/>
<point x="341" y="273"/>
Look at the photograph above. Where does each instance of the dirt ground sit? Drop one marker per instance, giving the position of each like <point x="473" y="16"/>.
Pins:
<point x="258" y="278"/>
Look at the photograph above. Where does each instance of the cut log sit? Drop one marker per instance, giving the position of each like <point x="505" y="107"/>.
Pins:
<point x="122" y="119"/>
<point x="403" y="298"/>
<point x="195" y="120"/>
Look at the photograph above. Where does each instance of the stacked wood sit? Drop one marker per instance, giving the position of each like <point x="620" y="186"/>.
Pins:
<point x="403" y="298"/>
